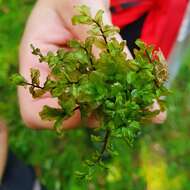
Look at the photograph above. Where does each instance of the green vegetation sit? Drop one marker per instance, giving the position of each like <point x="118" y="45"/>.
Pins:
<point x="159" y="158"/>
<point x="118" y="91"/>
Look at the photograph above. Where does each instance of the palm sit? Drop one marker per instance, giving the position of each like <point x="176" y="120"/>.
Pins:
<point x="45" y="30"/>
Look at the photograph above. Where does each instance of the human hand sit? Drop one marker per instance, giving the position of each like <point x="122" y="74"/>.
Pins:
<point x="49" y="28"/>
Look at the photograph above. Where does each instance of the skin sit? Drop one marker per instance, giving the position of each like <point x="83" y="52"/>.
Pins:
<point x="3" y="147"/>
<point x="49" y="28"/>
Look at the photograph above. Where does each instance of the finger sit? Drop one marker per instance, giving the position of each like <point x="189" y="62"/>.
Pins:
<point x="161" y="117"/>
<point x="80" y="31"/>
<point x="30" y="109"/>
<point x="93" y="122"/>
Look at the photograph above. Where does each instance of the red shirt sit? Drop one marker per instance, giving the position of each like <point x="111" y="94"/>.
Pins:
<point x="162" y="23"/>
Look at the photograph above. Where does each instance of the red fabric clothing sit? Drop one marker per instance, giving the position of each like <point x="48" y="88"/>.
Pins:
<point x="162" y="23"/>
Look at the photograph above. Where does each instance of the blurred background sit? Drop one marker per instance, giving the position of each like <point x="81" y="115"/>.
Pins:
<point x="159" y="160"/>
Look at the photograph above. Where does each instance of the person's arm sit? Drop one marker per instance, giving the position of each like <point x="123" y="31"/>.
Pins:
<point x="3" y="148"/>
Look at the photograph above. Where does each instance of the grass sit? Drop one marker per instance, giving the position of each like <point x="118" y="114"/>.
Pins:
<point x="158" y="160"/>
